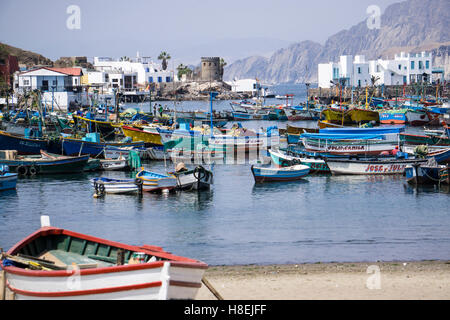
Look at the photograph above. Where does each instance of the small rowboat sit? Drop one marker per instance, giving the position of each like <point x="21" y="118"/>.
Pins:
<point x="8" y="180"/>
<point x="116" y="186"/>
<point x="155" y="182"/>
<point x="284" y="160"/>
<point x="114" y="164"/>
<point x="54" y="263"/>
<point x="270" y="174"/>
<point x="196" y="179"/>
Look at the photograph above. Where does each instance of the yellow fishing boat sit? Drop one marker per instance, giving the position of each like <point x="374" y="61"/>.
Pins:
<point x="333" y="115"/>
<point x="148" y="134"/>
<point x="106" y="128"/>
<point x="359" y="115"/>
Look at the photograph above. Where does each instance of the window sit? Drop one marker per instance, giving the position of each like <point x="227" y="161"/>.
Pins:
<point x="427" y="64"/>
<point x="147" y="69"/>
<point x="359" y="83"/>
<point x="26" y="82"/>
<point x="54" y="83"/>
<point x="150" y="79"/>
<point x="412" y="65"/>
<point x="359" y="70"/>
<point x="399" y="67"/>
<point x="167" y="79"/>
<point x="114" y="80"/>
<point x="404" y="80"/>
<point x="420" y="65"/>
<point x="159" y="79"/>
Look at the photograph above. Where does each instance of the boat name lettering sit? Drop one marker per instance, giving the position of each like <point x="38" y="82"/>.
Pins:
<point x="385" y="169"/>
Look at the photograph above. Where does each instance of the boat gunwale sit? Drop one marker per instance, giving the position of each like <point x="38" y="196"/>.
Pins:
<point x="176" y="261"/>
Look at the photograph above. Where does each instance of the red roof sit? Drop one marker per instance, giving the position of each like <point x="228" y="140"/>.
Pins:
<point x="68" y="71"/>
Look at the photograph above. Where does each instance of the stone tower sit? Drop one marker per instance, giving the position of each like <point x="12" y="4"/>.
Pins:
<point x="211" y="69"/>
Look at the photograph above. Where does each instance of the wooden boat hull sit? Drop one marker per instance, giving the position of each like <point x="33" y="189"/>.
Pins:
<point x="423" y="174"/>
<point x="154" y="182"/>
<point x="417" y="118"/>
<point x="272" y="174"/>
<point x="115" y="186"/>
<point x="197" y="179"/>
<point x="426" y="140"/>
<point x="369" y="167"/>
<point x="8" y="181"/>
<point x="362" y="115"/>
<point x="283" y="160"/>
<point x="393" y="117"/>
<point x="23" y="145"/>
<point x="94" y="149"/>
<point x="337" y="116"/>
<point x="106" y="128"/>
<point x="349" y="148"/>
<point x="151" y="138"/>
<point x="47" y="166"/>
<point x="114" y="164"/>
<point x="161" y="275"/>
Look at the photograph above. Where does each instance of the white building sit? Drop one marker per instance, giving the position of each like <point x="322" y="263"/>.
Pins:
<point x="244" y="85"/>
<point x="59" y="86"/>
<point x="357" y="72"/>
<point x="142" y="68"/>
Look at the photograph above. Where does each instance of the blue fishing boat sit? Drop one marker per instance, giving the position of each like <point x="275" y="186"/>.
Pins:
<point x="377" y="130"/>
<point x="427" y="173"/>
<point x="263" y="174"/>
<point x="8" y="180"/>
<point x="24" y="146"/>
<point x="154" y="182"/>
<point x="92" y="147"/>
<point x="45" y="164"/>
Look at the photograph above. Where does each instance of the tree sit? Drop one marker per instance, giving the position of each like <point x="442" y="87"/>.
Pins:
<point x="124" y="58"/>
<point x="222" y="66"/>
<point x="164" y="56"/>
<point x="182" y="69"/>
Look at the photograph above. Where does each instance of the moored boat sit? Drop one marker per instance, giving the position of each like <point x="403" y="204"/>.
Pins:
<point x="263" y="174"/>
<point x="425" y="173"/>
<point x="54" y="263"/>
<point x="8" y="180"/>
<point x="24" y="146"/>
<point x="370" y="167"/>
<point x="284" y="160"/>
<point x="198" y="178"/>
<point x="148" y="134"/>
<point x="45" y="164"/>
<point x="116" y="186"/>
<point x="156" y="182"/>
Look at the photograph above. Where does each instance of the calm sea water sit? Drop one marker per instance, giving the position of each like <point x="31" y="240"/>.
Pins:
<point x="320" y="219"/>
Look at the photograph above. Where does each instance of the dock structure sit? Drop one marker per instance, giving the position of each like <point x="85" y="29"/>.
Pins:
<point x="335" y="93"/>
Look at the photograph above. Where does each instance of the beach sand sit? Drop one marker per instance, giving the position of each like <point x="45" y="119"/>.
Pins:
<point x="426" y="280"/>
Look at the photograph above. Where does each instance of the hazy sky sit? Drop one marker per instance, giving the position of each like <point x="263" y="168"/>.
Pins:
<point x="116" y="28"/>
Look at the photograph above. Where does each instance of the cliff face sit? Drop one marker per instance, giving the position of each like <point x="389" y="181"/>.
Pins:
<point x="27" y="58"/>
<point x="407" y="25"/>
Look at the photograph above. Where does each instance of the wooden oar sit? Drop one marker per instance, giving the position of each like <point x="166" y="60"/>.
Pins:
<point x="212" y="289"/>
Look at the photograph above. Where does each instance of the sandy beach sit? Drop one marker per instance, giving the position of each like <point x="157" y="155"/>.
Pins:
<point x="425" y="280"/>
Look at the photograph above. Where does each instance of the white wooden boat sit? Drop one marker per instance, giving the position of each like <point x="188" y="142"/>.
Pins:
<point x="54" y="263"/>
<point x="263" y="174"/>
<point x="114" y="164"/>
<point x="196" y="179"/>
<point x="156" y="182"/>
<point x="370" y="167"/>
<point x="284" y="160"/>
<point x="116" y="186"/>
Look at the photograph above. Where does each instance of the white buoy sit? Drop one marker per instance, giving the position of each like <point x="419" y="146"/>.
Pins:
<point x="45" y="221"/>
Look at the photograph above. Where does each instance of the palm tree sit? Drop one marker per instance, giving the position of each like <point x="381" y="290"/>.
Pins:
<point x="164" y="56"/>
<point x="222" y="66"/>
<point x="124" y="58"/>
<point x="182" y="69"/>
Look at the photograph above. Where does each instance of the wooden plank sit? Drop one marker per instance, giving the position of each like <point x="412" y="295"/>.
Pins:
<point x="212" y="289"/>
<point x="2" y="284"/>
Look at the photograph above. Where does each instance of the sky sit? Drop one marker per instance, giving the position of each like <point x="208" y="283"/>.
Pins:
<point x="187" y="29"/>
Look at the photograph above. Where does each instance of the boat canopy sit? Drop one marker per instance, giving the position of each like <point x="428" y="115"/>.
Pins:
<point x="380" y="130"/>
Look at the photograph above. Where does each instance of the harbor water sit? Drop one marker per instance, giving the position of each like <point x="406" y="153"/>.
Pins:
<point x="320" y="219"/>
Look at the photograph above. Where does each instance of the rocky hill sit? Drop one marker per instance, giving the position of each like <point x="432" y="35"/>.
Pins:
<point x="27" y="58"/>
<point x="410" y="24"/>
